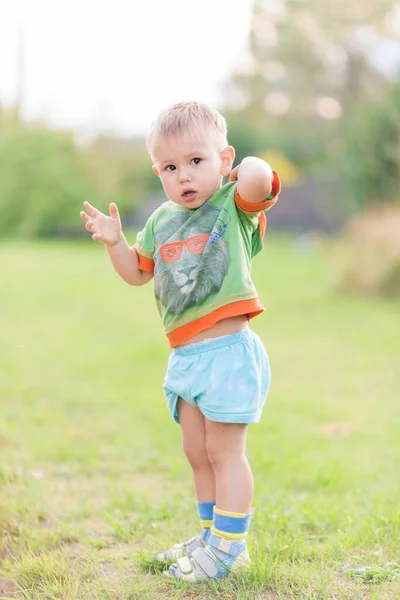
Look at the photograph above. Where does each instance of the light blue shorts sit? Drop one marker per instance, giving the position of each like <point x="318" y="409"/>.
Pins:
<point x="226" y="377"/>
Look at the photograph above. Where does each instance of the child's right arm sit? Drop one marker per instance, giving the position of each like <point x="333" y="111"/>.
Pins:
<point x="108" y="231"/>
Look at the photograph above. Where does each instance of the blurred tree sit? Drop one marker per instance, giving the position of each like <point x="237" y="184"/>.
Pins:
<point x="122" y="171"/>
<point x="373" y="152"/>
<point x="309" y="67"/>
<point x="45" y="177"/>
<point x="42" y="181"/>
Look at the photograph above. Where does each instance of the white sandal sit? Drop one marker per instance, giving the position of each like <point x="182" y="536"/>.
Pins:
<point x="184" y="549"/>
<point x="205" y="564"/>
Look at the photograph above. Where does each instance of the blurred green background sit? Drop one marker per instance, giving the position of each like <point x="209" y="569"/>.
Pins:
<point x="317" y="94"/>
<point x="91" y="467"/>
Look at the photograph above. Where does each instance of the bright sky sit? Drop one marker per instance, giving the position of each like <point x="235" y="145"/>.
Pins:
<point x="101" y="65"/>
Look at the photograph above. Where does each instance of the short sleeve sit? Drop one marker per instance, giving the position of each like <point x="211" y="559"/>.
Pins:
<point x="252" y="207"/>
<point x="144" y="247"/>
<point x="252" y="215"/>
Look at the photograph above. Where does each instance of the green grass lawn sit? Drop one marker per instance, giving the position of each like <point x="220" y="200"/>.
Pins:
<point x="91" y="467"/>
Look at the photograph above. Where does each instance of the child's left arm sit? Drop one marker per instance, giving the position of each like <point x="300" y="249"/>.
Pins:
<point x="254" y="179"/>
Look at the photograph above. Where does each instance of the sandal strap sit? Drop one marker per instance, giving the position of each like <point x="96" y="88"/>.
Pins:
<point x="189" y="570"/>
<point x="191" y="545"/>
<point x="231" y="547"/>
<point x="184" y="565"/>
<point x="182" y="549"/>
<point x="172" y="553"/>
<point x="205" y="562"/>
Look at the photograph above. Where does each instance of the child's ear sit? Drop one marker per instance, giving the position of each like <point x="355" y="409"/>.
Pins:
<point x="156" y="171"/>
<point x="227" y="158"/>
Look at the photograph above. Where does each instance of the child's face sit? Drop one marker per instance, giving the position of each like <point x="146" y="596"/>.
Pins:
<point x="191" y="166"/>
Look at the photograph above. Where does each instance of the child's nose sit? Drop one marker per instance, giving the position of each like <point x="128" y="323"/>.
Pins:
<point x="184" y="175"/>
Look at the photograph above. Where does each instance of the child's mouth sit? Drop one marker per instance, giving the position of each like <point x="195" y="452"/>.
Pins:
<point x="189" y="195"/>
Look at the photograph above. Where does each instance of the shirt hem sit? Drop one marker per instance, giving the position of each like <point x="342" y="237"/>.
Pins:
<point x="252" y="308"/>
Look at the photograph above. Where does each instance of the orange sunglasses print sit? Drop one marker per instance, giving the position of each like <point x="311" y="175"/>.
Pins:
<point x="170" y="253"/>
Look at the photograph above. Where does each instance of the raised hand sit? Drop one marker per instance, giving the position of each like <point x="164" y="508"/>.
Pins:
<point x="105" y="229"/>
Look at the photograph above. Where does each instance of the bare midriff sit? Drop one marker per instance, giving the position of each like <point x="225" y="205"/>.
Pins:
<point x="227" y="326"/>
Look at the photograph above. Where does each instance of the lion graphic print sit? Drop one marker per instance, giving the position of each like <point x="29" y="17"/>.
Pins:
<point x="191" y="257"/>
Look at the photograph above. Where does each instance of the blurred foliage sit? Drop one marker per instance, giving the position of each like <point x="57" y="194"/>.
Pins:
<point x="308" y="76"/>
<point x="42" y="181"/>
<point x="309" y="99"/>
<point x="289" y="174"/>
<point x="373" y="151"/>
<point x="45" y="177"/>
<point x="368" y="254"/>
<point x="122" y="170"/>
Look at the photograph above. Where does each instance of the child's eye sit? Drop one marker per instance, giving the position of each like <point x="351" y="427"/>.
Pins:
<point x="196" y="160"/>
<point x="170" y="168"/>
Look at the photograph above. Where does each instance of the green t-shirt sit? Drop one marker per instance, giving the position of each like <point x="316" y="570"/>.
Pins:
<point x="201" y="260"/>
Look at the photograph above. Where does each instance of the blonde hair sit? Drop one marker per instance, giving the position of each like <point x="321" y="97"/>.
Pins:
<point x="183" y="117"/>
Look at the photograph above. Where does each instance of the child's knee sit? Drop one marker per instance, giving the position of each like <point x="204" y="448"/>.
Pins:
<point x="196" y="453"/>
<point x="218" y="455"/>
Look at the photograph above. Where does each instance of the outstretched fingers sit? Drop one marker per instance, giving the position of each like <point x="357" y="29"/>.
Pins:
<point x="94" y="221"/>
<point x="89" y="224"/>
<point x="114" y="211"/>
<point x="91" y="209"/>
<point x="85" y="218"/>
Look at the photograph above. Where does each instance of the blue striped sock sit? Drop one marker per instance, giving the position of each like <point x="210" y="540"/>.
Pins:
<point x="206" y="512"/>
<point x="229" y="525"/>
<point x="228" y="535"/>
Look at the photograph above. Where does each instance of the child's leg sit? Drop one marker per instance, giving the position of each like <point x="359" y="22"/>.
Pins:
<point x="194" y="445"/>
<point x="226" y="450"/>
<point x="193" y="427"/>
<point x="226" y="546"/>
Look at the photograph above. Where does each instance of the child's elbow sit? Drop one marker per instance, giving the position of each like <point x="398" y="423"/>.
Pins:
<point x="140" y="278"/>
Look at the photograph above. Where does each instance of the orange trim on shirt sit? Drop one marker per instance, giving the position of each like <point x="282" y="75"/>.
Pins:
<point x="251" y="308"/>
<point x="266" y="204"/>
<point x="145" y="264"/>
<point x="262" y="223"/>
<point x="208" y="309"/>
<point x="276" y="185"/>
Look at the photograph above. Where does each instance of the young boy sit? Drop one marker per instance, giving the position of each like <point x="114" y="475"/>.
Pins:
<point x="198" y="246"/>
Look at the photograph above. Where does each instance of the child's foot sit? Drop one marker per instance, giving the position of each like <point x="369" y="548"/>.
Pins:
<point x="185" y="548"/>
<point x="213" y="561"/>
